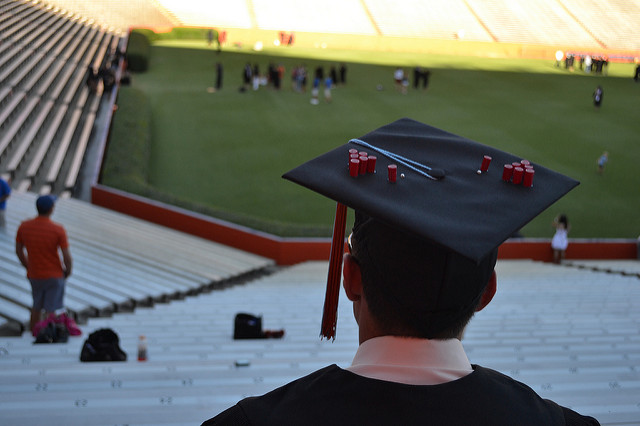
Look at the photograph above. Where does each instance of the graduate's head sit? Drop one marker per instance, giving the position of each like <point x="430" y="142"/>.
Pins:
<point x="414" y="287"/>
<point x="431" y="209"/>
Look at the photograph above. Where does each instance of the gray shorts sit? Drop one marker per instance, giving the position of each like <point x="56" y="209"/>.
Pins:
<point x="48" y="294"/>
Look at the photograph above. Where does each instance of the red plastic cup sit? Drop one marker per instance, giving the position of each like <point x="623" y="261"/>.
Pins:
<point x="507" y="172"/>
<point x="363" y="165"/>
<point x="371" y="164"/>
<point x="353" y="151"/>
<point x="363" y="154"/>
<point x="528" y="177"/>
<point x="354" y="167"/>
<point x="393" y="172"/>
<point x="525" y="163"/>
<point x="517" y="175"/>
<point x="486" y="160"/>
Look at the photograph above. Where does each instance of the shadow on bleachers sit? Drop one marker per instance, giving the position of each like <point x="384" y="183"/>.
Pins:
<point x="570" y="334"/>
<point x="48" y="111"/>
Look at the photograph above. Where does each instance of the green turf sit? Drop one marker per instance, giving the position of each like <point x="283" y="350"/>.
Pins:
<point x="227" y="150"/>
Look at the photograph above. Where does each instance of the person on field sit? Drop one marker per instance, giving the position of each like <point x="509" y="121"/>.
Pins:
<point x="598" y="94"/>
<point x="602" y="162"/>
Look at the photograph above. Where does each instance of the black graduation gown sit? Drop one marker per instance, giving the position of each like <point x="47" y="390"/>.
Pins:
<point x="333" y="396"/>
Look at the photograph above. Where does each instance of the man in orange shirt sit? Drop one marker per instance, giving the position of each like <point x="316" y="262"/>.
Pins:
<point x="37" y="243"/>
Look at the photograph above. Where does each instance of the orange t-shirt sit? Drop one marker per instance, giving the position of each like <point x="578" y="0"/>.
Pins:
<point x="42" y="238"/>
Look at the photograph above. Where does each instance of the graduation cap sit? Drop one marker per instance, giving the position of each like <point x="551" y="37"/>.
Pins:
<point x="459" y="196"/>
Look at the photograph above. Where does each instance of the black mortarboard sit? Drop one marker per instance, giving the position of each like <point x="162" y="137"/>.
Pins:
<point x="462" y="196"/>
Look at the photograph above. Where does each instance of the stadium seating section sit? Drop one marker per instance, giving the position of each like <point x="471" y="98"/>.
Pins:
<point x="603" y="24"/>
<point x="47" y="111"/>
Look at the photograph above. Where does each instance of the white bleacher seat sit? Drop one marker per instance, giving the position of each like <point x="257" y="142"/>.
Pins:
<point x="15" y="63"/>
<point x="17" y="123"/>
<point x="5" y="93"/>
<point x="54" y="29"/>
<point x="614" y="23"/>
<point x="31" y="28"/>
<point x="24" y="185"/>
<point x="25" y="20"/>
<point x="12" y="314"/>
<point x="539" y="22"/>
<point x="546" y="341"/>
<point x="45" y="142"/>
<point x="63" y="145"/>
<point x="437" y="19"/>
<point x="26" y="141"/>
<point x="8" y="57"/>
<point x="50" y="75"/>
<point x="36" y="36"/>
<point x="78" y="44"/>
<point x="81" y="146"/>
<point x="10" y="25"/>
<point x="38" y="73"/>
<point x="332" y="16"/>
<point x="67" y="28"/>
<point x="120" y="262"/>
<point x="27" y="68"/>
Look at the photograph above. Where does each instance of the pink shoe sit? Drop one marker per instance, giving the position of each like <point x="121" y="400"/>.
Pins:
<point x="70" y="324"/>
<point x="43" y="324"/>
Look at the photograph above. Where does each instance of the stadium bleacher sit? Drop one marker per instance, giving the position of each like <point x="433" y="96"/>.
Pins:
<point x="43" y="63"/>
<point x="575" y="341"/>
<point x="119" y="262"/>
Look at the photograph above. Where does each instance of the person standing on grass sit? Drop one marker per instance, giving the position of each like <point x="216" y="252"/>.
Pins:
<point x="39" y="243"/>
<point x="219" y="71"/>
<point x="598" y="94"/>
<point x="602" y="162"/>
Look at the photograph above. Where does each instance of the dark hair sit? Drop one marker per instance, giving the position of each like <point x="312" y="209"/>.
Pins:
<point x="417" y="290"/>
<point x="563" y="220"/>
<point x="43" y="210"/>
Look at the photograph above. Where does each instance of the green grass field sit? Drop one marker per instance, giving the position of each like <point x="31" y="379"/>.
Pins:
<point x="223" y="153"/>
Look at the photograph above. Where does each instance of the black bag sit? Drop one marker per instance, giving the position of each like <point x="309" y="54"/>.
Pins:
<point x="102" y="345"/>
<point x="53" y="333"/>
<point x="247" y="326"/>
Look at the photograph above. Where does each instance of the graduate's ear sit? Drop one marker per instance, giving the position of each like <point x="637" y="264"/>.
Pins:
<point x="489" y="291"/>
<point x="352" y="281"/>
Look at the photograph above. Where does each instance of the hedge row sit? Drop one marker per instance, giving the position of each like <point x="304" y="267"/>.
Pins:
<point x="140" y="40"/>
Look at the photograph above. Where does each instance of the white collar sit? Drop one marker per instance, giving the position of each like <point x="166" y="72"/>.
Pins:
<point x="411" y="361"/>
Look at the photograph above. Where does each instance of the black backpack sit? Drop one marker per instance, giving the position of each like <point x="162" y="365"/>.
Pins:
<point x="247" y="326"/>
<point x="102" y="345"/>
<point x="53" y="333"/>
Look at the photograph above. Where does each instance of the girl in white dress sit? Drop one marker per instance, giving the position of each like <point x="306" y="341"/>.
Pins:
<point x="560" y="239"/>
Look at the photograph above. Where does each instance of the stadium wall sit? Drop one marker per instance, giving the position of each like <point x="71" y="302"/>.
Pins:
<point x="236" y="37"/>
<point x="289" y="251"/>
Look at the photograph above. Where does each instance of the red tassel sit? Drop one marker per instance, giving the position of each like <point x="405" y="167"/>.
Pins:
<point x="330" y="313"/>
